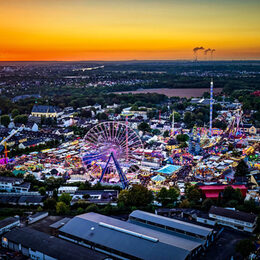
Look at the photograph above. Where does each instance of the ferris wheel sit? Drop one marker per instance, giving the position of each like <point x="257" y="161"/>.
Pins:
<point x="111" y="149"/>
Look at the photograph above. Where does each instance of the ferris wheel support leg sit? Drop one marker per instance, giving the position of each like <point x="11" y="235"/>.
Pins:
<point x="122" y="176"/>
<point x="104" y="170"/>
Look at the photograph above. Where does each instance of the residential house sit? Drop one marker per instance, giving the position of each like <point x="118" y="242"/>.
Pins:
<point x="233" y="218"/>
<point x="44" y="111"/>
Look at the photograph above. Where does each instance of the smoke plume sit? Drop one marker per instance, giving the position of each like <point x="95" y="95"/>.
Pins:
<point x="195" y="51"/>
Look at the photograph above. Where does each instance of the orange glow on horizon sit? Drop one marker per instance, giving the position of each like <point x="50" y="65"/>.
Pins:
<point x="122" y="30"/>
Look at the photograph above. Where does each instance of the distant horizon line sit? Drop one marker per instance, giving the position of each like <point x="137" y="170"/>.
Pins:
<point x="130" y="60"/>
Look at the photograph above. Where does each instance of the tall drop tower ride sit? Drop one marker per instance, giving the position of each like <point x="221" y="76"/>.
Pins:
<point x="211" y="108"/>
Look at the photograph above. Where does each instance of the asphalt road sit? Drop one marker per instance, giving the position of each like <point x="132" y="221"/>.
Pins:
<point x="224" y="247"/>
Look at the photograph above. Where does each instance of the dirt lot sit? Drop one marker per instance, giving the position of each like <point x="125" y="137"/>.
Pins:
<point x="178" y="92"/>
<point x="43" y="225"/>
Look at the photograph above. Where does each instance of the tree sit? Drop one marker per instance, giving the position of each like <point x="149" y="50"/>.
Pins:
<point x="256" y="116"/>
<point x="85" y="186"/>
<point x="42" y="191"/>
<point x="151" y="114"/>
<point x="123" y="197"/>
<point x="80" y="211"/>
<point x="156" y="131"/>
<point x="137" y="196"/>
<point x="21" y="119"/>
<point x="39" y="209"/>
<point x="217" y="107"/>
<point x="107" y="210"/>
<point x="55" y="194"/>
<point x="118" y="110"/>
<point x="232" y="203"/>
<point x="184" y="204"/>
<point x="236" y="153"/>
<point x="66" y="198"/>
<point x="206" y="95"/>
<point x="31" y="178"/>
<point x="230" y="147"/>
<point x="182" y="138"/>
<point x="166" y="133"/>
<point x="50" y="203"/>
<point x="230" y="195"/>
<point x="144" y="127"/>
<point x="245" y="247"/>
<point x="207" y="203"/>
<point x="193" y="193"/>
<point x="92" y="208"/>
<point x="242" y="169"/>
<point x="227" y="194"/>
<point x="220" y="124"/>
<point x="177" y="117"/>
<point x="5" y="120"/>
<point x="86" y="196"/>
<point x="62" y="208"/>
<point x="14" y="113"/>
<point x="251" y="206"/>
<point x="187" y="118"/>
<point x="52" y="183"/>
<point x="102" y="116"/>
<point x="162" y="196"/>
<point x="166" y="197"/>
<point x="86" y="113"/>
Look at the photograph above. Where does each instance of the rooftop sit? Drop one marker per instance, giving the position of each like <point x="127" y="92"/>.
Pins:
<point x="135" y="240"/>
<point x="174" y="223"/>
<point x="51" y="246"/>
<point x="44" y="109"/>
<point x="60" y="223"/>
<point x="169" y="169"/>
<point x="233" y="214"/>
<point x="10" y="179"/>
<point x="7" y="221"/>
<point x="220" y="187"/>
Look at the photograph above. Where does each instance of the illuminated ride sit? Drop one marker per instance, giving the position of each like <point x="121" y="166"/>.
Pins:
<point x="3" y="144"/>
<point x="235" y="129"/>
<point x="110" y="150"/>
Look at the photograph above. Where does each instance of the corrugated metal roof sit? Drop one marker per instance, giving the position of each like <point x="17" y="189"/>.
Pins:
<point x="91" y="227"/>
<point x="174" y="223"/>
<point x="7" y="221"/>
<point x="51" y="246"/>
<point x="59" y="223"/>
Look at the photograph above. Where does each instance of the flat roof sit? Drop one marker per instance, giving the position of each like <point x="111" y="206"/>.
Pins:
<point x="131" y="239"/>
<point x="60" y="223"/>
<point x="221" y="187"/>
<point x="174" y="223"/>
<point x="51" y="246"/>
<point x="37" y="214"/>
<point x="7" y="221"/>
<point x="169" y="169"/>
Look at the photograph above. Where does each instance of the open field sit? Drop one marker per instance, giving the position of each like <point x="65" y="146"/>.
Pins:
<point x="177" y="92"/>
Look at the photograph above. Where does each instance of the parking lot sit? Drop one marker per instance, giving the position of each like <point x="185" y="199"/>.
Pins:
<point x="224" y="247"/>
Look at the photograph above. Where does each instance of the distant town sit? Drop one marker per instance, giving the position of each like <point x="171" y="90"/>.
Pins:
<point x="103" y="160"/>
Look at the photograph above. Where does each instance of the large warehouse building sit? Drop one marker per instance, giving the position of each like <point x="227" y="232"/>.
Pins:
<point x="201" y="234"/>
<point x="136" y="239"/>
<point x="42" y="246"/>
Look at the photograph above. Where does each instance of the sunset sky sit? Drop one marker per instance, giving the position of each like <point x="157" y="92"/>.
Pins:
<point x="128" y="29"/>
